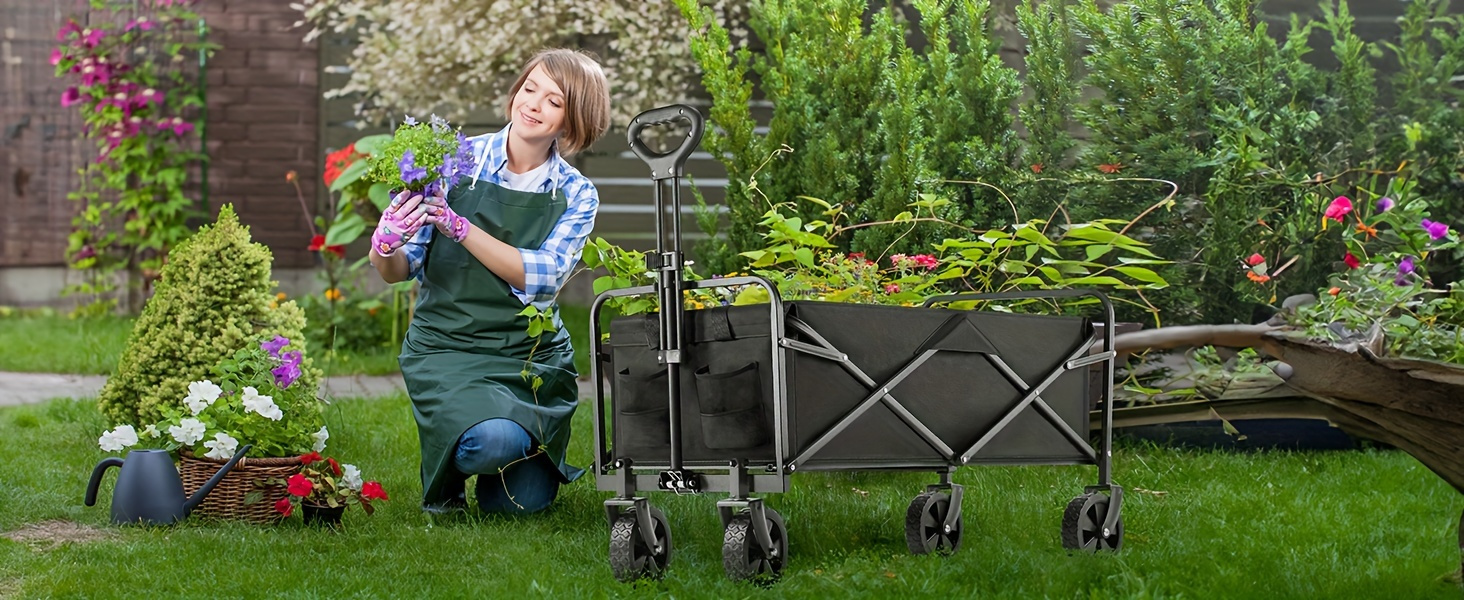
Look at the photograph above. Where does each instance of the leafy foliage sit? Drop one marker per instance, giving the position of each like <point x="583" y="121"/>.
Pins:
<point x="212" y="298"/>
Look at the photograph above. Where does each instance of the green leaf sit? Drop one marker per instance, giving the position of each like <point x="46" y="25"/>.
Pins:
<point x="371" y="144"/>
<point x="804" y="256"/>
<point x="349" y="176"/>
<point x="380" y="195"/>
<point x="345" y="231"/>
<point x="529" y="311"/>
<point x="1142" y="274"/>
<point x="1095" y="280"/>
<point x="1096" y="250"/>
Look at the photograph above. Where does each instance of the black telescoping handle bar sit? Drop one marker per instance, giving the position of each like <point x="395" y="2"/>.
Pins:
<point x="665" y="165"/>
<point x="666" y="170"/>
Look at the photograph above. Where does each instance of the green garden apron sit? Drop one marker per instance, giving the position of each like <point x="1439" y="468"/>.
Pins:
<point x="466" y="349"/>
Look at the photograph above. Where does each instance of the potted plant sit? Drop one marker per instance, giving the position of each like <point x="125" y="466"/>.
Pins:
<point x="324" y="488"/>
<point x="253" y="397"/>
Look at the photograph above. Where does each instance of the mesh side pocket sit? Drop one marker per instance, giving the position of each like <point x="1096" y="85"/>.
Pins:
<point x="643" y="410"/>
<point x="732" y="408"/>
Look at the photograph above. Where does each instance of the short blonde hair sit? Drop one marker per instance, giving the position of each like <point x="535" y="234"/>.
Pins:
<point x="586" y="95"/>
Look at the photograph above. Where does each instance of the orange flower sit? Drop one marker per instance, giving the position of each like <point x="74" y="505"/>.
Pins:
<point x="1257" y="277"/>
<point x="1364" y="228"/>
<point x="332" y="294"/>
<point x="1334" y="291"/>
<point x="1111" y="168"/>
<point x="290" y="176"/>
<point x="1037" y="167"/>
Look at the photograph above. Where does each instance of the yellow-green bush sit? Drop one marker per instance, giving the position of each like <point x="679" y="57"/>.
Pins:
<point x="213" y="298"/>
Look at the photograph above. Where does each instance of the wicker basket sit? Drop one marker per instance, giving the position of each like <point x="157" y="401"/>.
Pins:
<point x="227" y="500"/>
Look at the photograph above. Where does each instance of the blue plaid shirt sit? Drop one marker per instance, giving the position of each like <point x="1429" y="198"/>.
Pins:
<point x="548" y="266"/>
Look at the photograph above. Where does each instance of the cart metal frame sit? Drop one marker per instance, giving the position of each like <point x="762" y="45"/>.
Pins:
<point x="640" y="536"/>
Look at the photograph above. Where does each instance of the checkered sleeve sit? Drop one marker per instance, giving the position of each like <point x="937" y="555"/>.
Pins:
<point x="547" y="267"/>
<point x="415" y="250"/>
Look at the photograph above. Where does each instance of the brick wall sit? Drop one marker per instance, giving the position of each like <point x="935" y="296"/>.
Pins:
<point x="263" y="121"/>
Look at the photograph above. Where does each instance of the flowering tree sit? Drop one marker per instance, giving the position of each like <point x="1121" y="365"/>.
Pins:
<point x="134" y="93"/>
<point x="463" y="54"/>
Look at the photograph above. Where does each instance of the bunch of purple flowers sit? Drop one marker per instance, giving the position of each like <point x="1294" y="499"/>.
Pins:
<point x="423" y="157"/>
<point x="289" y="368"/>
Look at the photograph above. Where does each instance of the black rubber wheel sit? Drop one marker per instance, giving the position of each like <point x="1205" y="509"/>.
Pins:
<point x="925" y="525"/>
<point x="1082" y="525"/>
<point x="744" y="559"/>
<point x="630" y="557"/>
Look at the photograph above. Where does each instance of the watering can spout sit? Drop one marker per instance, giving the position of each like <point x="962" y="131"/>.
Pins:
<point x="198" y="496"/>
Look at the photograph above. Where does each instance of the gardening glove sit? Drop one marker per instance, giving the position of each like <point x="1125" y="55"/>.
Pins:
<point x="399" y="222"/>
<point x="448" y="222"/>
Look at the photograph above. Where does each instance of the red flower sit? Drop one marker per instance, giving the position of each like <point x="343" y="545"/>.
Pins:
<point x="336" y="162"/>
<point x="299" y="485"/>
<point x="313" y="457"/>
<point x="1255" y="259"/>
<point x="1110" y="168"/>
<point x="317" y="244"/>
<point x="371" y="490"/>
<point x="335" y="467"/>
<point x="1334" y="291"/>
<point x="284" y="507"/>
<point x="1037" y="167"/>
<point x="1351" y="261"/>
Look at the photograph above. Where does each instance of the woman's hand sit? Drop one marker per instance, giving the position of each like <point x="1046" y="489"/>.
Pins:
<point x="399" y="222"/>
<point x="448" y="222"/>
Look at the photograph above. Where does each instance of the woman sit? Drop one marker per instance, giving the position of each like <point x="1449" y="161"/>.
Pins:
<point x="495" y="245"/>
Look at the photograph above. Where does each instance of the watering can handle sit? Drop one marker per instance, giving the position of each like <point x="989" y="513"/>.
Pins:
<point x="198" y="495"/>
<point x="96" y="478"/>
<point x="668" y="164"/>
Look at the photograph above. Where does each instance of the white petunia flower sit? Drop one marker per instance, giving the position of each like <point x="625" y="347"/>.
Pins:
<point x="221" y="447"/>
<point x="151" y="431"/>
<point x="123" y="436"/>
<point x="351" y="477"/>
<point x="264" y="405"/>
<point x="200" y="395"/>
<point x="320" y="437"/>
<point x="187" y="432"/>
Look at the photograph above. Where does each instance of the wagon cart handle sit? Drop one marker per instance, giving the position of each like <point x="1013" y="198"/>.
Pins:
<point x="666" y="165"/>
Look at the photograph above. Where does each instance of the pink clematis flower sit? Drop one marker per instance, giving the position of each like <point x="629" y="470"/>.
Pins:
<point x="67" y="29"/>
<point x="1338" y="209"/>
<point x="142" y="23"/>
<point x="71" y="96"/>
<point x="177" y="124"/>
<point x="91" y="37"/>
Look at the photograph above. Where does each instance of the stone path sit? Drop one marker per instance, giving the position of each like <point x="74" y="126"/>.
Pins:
<point x="30" y="388"/>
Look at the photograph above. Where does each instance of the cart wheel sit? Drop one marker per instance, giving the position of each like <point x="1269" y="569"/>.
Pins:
<point x="925" y="525"/>
<point x="1082" y="525"/>
<point x="744" y="559"/>
<point x="630" y="557"/>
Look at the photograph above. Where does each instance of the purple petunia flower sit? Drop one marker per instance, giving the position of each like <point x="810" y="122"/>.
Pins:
<point x="1405" y="268"/>
<point x="410" y="172"/>
<point x="1385" y="204"/>
<point x="274" y="346"/>
<point x="1435" y="230"/>
<point x="289" y="369"/>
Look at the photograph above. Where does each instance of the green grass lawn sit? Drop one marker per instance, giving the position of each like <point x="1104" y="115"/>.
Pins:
<point x="91" y="346"/>
<point x="1369" y="524"/>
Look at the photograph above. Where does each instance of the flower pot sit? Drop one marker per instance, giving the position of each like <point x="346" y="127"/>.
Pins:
<point x="322" y="515"/>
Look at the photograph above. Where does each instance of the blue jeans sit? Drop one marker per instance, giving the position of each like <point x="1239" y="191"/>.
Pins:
<point x="497" y="451"/>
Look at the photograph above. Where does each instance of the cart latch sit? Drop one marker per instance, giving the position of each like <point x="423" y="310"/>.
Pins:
<point x="682" y="481"/>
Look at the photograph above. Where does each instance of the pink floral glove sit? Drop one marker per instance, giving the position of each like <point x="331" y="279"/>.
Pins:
<point x="399" y="222"/>
<point x="448" y="222"/>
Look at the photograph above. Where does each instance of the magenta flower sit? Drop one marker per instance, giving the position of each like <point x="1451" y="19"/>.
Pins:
<point x="1435" y="230"/>
<point x="274" y="346"/>
<point x="56" y="56"/>
<point x="67" y="29"/>
<point x="92" y="37"/>
<point x="1339" y="208"/>
<point x="1385" y="204"/>
<point x="893" y="288"/>
<point x="71" y="96"/>
<point x="177" y="124"/>
<point x="142" y="23"/>
<point x="1405" y="268"/>
<point x="289" y="369"/>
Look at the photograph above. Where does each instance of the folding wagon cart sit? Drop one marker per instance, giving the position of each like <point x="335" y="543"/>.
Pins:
<point x="736" y="399"/>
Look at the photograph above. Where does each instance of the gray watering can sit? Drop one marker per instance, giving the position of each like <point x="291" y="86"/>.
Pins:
<point x="149" y="490"/>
